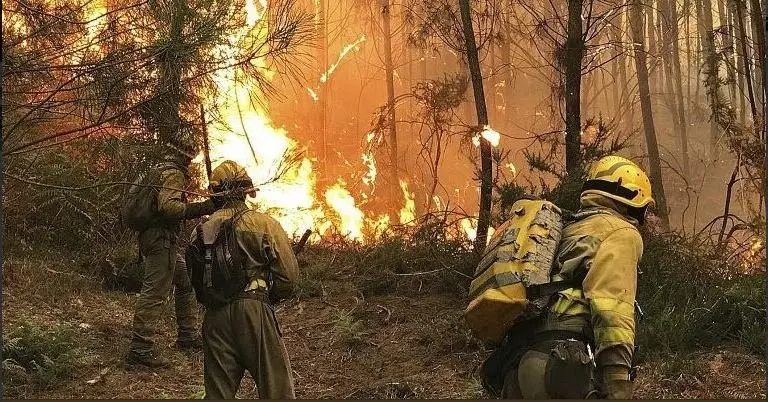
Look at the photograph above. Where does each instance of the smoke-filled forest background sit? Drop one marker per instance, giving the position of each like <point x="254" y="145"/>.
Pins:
<point x="399" y="132"/>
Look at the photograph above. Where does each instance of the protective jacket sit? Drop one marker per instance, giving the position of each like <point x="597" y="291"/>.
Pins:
<point x="244" y="334"/>
<point x="605" y="250"/>
<point x="164" y="269"/>
<point x="171" y="200"/>
<point x="601" y="253"/>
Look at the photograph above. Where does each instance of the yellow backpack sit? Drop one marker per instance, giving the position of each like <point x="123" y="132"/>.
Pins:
<point x="512" y="281"/>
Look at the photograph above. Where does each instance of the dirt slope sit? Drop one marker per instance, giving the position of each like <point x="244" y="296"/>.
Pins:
<point x="342" y="345"/>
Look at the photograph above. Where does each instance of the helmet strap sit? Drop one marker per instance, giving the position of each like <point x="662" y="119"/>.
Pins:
<point x="614" y="188"/>
<point x="638" y="213"/>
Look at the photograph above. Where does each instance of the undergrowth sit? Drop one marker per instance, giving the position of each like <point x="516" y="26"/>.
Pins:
<point x="37" y="358"/>
<point x="422" y="260"/>
<point x="690" y="304"/>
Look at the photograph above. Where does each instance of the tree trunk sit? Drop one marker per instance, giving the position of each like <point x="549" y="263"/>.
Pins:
<point x="654" y="74"/>
<point x="171" y="62"/>
<point x="618" y="59"/>
<point x="759" y="44"/>
<point x="740" y="56"/>
<point x="747" y="64"/>
<point x="666" y="62"/>
<point x="506" y="71"/>
<point x="408" y="54"/>
<point x="492" y="78"/>
<point x="486" y="172"/>
<point x="765" y="124"/>
<point x="678" y="79"/>
<point x="727" y="29"/>
<point x="573" y="55"/>
<point x="688" y="49"/>
<point x="322" y="60"/>
<point x="710" y="73"/>
<point x="392" y="123"/>
<point x="645" y="105"/>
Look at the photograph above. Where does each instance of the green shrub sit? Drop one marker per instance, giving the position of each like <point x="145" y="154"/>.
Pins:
<point x="689" y="303"/>
<point x="36" y="358"/>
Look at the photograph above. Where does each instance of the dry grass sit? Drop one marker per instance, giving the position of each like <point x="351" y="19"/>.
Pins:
<point x="343" y="344"/>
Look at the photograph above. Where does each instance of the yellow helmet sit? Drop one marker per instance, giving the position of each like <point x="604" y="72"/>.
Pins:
<point x="230" y="175"/>
<point x="619" y="179"/>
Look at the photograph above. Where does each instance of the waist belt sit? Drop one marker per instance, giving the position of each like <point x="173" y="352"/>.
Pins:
<point x="542" y="342"/>
<point x="255" y="294"/>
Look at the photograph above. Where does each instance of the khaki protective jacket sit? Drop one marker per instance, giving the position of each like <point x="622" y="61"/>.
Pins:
<point x="171" y="200"/>
<point x="263" y="242"/>
<point x="604" y="249"/>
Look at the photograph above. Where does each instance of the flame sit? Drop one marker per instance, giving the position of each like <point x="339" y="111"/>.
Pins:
<point x="408" y="212"/>
<point x="245" y="134"/>
<point x="313" y="94"/>
<point x="469" y="226"/>
<point x="343" y="204"/>
<point x="369" y="178"/>
<point x="512" y="169"/>
<point x="438" y="203"/>
<point x="346" y="49"/>
<point x="489" y="134"/>
<point x="756" y="252"/>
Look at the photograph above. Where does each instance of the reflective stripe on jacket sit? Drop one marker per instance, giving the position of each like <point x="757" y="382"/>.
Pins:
<point x="604" y="249"/>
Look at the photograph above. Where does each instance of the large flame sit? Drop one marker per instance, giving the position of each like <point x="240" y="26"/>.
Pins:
<point x="343" y="204"/>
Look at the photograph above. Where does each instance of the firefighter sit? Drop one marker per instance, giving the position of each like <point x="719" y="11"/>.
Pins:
<point x="163" y="265"/>
<point x="244" y="334"/>
<point x="583" y="345"/>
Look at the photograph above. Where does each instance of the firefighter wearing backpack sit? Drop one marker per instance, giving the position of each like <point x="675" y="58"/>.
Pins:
<point x="250" y="265"/>
<point x="583" y="345"/>
<point x="157" y="213"/>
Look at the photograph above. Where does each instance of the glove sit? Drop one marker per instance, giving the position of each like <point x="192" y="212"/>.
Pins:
<point x="218" y="201"/>
<point x="618" y="389"/>
<point x="198" y="209"/>
<point x="616" y="383"/>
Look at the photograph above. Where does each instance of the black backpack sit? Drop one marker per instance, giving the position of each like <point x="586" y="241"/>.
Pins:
<point x="216" y="270"/>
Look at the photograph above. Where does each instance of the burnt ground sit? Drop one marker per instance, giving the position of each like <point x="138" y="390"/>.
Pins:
<point x="342" y="344"/>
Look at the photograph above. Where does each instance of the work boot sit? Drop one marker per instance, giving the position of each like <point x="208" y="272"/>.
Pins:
<point x="189" y="343"/>
<point x="146" y="359"/>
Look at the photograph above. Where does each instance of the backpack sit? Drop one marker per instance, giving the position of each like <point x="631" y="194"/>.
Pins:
<point x="512" y="283"/>
<point x="216" y="270"/>
<point x="139" y="210"/>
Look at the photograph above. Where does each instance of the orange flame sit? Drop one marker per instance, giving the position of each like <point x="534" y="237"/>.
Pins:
<point x="408" y="212"/>
<point x="343" y="204"/>
<point x="346" y="49"/>
<point x="489" y="134"/>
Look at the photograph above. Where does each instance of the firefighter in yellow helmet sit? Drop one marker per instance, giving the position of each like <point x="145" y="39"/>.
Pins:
<point x="243" y="334"/>
<point x="584" y="343"/>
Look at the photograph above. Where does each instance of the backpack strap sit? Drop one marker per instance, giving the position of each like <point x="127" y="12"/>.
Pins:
<point x="549" y="288"/>
<point x="207" y="257"/>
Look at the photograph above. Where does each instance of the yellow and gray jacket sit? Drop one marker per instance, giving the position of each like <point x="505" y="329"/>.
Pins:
<point x="264" y="245"/>
<point x="604" y="249"/>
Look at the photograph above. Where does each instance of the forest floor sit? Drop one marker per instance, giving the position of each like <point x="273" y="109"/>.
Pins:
<point x="342" y="344"/>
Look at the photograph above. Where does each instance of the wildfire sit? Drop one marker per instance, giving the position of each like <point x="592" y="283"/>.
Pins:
<point x="408" y="212"/>
<point x="351" y="217"/>
<point x="489" y="134"/>
<point x="313" y="94"/>
<point x="346" y="49"/>
<point x="754" y="255"/>
<point x="370" y="161"/>
<point x="469" y="226"/>
<point x="512" y="169"/>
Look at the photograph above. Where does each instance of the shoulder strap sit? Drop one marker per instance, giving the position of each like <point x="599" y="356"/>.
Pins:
<point x="549" y="288"/>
